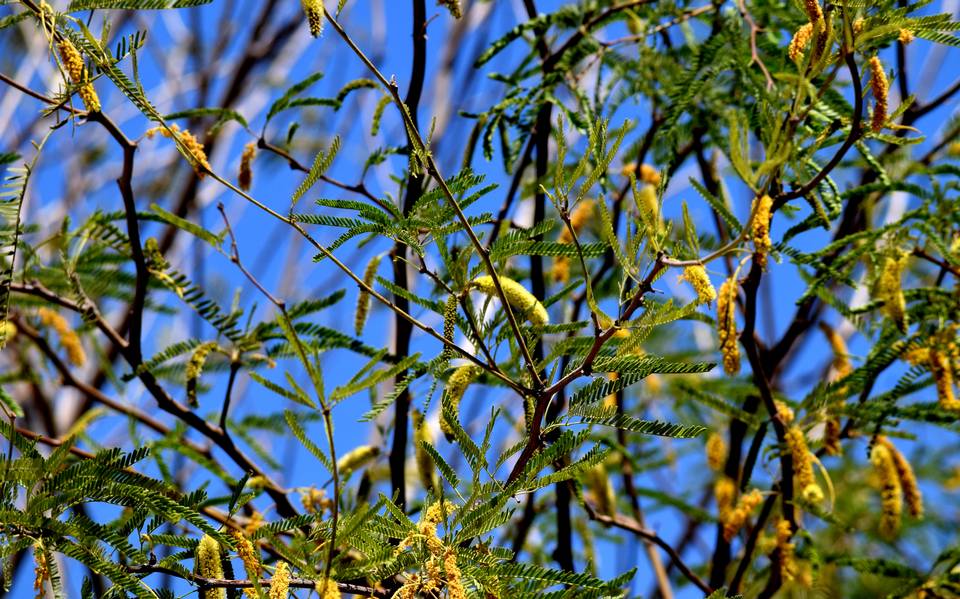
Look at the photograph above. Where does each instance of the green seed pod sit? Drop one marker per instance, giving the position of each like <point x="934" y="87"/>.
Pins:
<point x="517" y="296"/>
<point x="425" y="466"/>
<point x="356" y="459"/>
<point x="456" y="386"/>
<point x="207" y="564"/>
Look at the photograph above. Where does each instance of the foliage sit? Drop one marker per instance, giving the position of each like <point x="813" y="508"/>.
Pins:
<point x="541" y="293"/>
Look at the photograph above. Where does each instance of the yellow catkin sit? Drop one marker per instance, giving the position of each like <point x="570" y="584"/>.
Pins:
<point x="905" y="36"/>
<point x="800" y="41"/>
<point x="363" y="297"/>
<point x="841" y="354"/>
<point x="696" y="275"/>
<point x="727" y="326"/>
<point x="356" y="459"/>
<point x="280" y="583"/>
<point x="803" y="465"/>
<point x="858" y="25"/>
<point x="455" y="588"/>
<point x="648" y="174"/>
<point x="313" y="9"/>
<point x="207" y="564"/>
<point x="449" y="324"/>
<point x="196" y="153"/>
<point x="328" y="589"/>
<point x="879" y="86"/>
<point x="784" y="412"/>
<point x="761" y="228"/>
<point x="597" y="480"/>
<point x="579" y="218"/>
<point x="891" y="502"/>
<point x="649" y="207"/>
<point x="41" y="570"/>
<point x="908" y="480"/>
<point x="245" y="176"/>
<point x="716" y="451"/>
<point x="8" y="331"/>
<point x="453" y="6"/>
<point x="250" y="558"/>
<point x="517" y="296"/>
<point x="814" y="11"/>
<point x="785" y="549"/>
<point x="315" y="500"/>
<point x="724" y="490"/>
<point x="69" y="340"/>
<point x="737" y="517"/>
<point x="831" y="436"/>
<point x="425" y="466"/>
<point x="889" y="290"/>
<point x="195" y="369"/>
<point x="73" y="64"/>
<point x="457" y="385"/>
<point x="942" y="371"/>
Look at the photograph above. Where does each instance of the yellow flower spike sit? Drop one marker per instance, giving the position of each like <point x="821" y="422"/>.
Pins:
<point x="696" y="275"/>
<point x="207" y="564"/>
<point x="800" y="41"/>
<point x="831" y="436"/>
<point x="450" y="324"/>
<point x="814" y="11"/>
<point x="810" y="491"/>
<point x="313" y="9"/>
<point x="761" y="228"/>
<point x="41" y="570"/>
<point x="8" y="331"/>
<point x="280" y="583"/>
<point x="727" y="326"/>
<point x="328" y="589"/>
<point x="908" y="480"/>
<point x="841" y="354"/>
<point x="785" y="548"/>
<point x="195" y="152"/>
<point x="245" y="176"/>
<point x="724" y="490"/>
<point x="560" y="271"/>
<point x="942" y="371"/>
<point x="457" y="385"/>
<point x="891" y="502"/>
<point x="425" y="466"/>
<point x="73" y="63"/>
<point x="517" y="296"/>
<point x="905" y="37"/>
<point x="363" y="297"/>
<point x="69" y="340"/>
<point x="649" y="175"/>
<point x="453" y="6"/>
<point x="356" y="459"/>
<point x="737" y="517"/>
<point x="579" y="218"/>
<point x="250" y="558"/>
<point x="879" y="86"/>
<point x="649" y="207"/>
<point x="597" y="480"/>
<point x="889" y="289"/>
<point x="716" y="451"/>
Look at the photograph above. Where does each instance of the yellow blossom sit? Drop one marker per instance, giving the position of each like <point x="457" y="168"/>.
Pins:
<point x="879" y="85"/>
<point x="517" y="296"/>
<point x="727" y="326"/>
<point x="73" y="63"/>
<point x="800" y="41"/>
<point x="207" y="564"/>
<point x="716" y="451"/>
<point x="891" y="503"/>
<point x="761" y="228"/>
<point x="908" y="480"/>
<point x="737" y="517"/>
<point x="280" y="583"/>
<point x="69" y="340"/>
<point x="245" y="176"/>
<point x="457" y="385"/>
<point x="696" y="275"/>
<point x="191" y="146"/>
<point x="313" y="9"/>
<point x="803" y="465"/>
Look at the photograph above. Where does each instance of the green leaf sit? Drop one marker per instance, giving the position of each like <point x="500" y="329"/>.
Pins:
<point x="189" y="227"/>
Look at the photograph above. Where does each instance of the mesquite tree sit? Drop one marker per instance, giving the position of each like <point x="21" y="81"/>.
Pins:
<point x="594" y="298"/>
